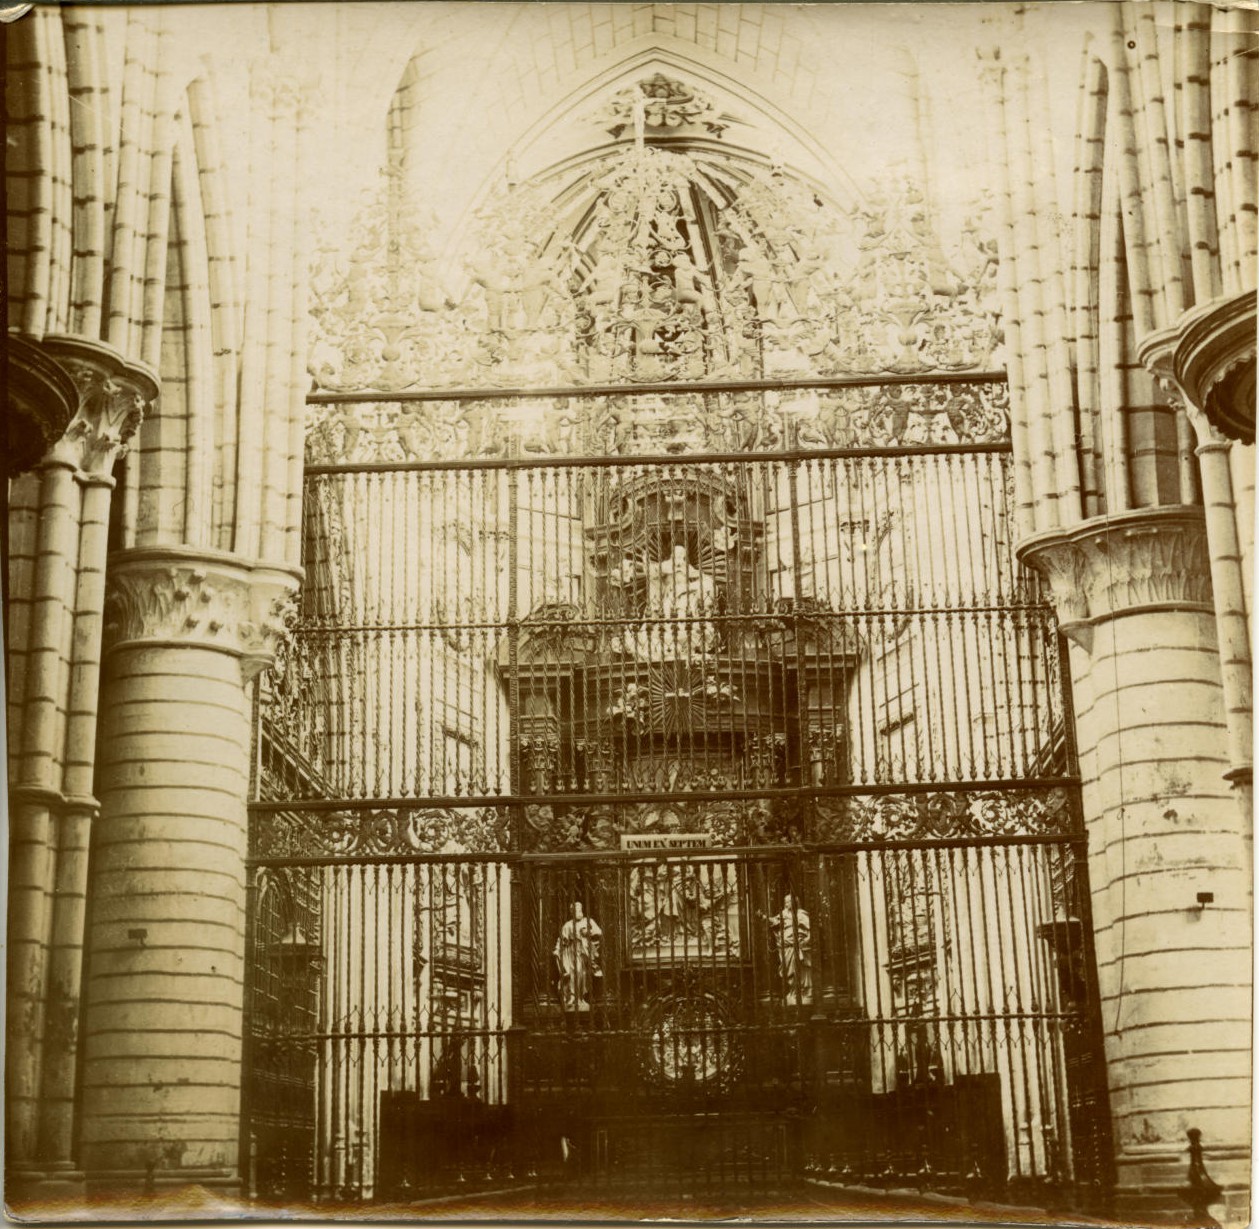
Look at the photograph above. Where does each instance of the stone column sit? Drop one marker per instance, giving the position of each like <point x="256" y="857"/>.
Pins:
<point x="185" y="633"/>
<point x="54" y="740"/>
<point x="1167" y="856"/>
<point x="1231" y="623"/>
<point x="1187" y="362"/>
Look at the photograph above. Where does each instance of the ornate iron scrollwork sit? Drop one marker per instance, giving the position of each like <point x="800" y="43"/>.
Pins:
<point x="943" y="815"/>
<point x="380" y="833"/>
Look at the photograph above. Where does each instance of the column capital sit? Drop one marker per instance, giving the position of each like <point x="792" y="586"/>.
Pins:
<point x="1157" y="352"/>
<point x="1206" y="363"/>
<point x="199" y="599"/>
<point x="113" y="395"/>
<point x="1214" y="362"/>
<point x="1143" y="560"/>
<point x="41" y="401"/>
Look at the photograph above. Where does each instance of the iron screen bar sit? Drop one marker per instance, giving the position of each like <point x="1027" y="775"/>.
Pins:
<point x="745" y="855"/>
<point x="718" y="620"/>
<point x="678" y="459"/>
<point x="654" y="389"/>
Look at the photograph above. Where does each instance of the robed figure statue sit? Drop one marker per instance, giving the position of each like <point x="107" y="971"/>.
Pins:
<point x="577" y="959"/>
<point x="794" y="941"/>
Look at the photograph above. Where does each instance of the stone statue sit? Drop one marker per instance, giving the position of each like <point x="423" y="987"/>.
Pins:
<point x="577" y="959"/>
<point x="689" y="284"/>
<point x="487" y="273"/>
<point x="603" y="286"/>
<point x="431" y="294"/>
<point x="794" y="941"/>
<point x="675" y="589"/>
<point x="683" y="591"/>
<point x="760" y="276"/>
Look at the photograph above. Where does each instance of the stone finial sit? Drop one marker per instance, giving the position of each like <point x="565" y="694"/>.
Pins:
<point x="207" y="601"/>
<point x="1146" y="559"/>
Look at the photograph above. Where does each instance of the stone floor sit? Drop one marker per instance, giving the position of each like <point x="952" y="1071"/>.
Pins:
<point x="812" y="1202"/>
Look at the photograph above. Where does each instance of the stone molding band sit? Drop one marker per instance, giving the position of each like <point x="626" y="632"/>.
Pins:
<point x="194" y="598"/>
<point x="1143" y="560"/>
<point x="40" y="795"/>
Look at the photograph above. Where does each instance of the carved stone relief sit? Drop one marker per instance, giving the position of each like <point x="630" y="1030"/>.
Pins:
<point x="196" y="600"/>
<point x="114" y="395"/>
<point x="1146" y="558"/>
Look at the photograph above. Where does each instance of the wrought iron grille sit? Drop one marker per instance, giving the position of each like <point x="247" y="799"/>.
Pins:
<point x="713" y="785"/>
<point x="504" y="629"/>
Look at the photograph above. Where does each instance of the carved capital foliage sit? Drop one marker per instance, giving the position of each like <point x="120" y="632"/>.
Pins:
<point x="210" y="602"/>
<point x="1150" y="558"/>
<point x="1064" y="569"/>
<point x="113" y="396"/>
<point x="1210" y="437"/>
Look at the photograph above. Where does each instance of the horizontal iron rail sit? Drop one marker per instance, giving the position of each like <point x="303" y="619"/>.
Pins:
<point x="748" y="854"/>
<point x="573" y="391"/>
<point x="755" y="853"/>
<point x="681" y="460"/>
<point x="1041" y="606"/>
<point x="415" y="803"/>
<point x="726" y="1028"/>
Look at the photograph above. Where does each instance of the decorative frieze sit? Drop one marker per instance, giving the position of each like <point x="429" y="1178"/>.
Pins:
<point x="863" y="819"/>
<point x="876" y="416"/>
<point x="1146" y="559"/>
<point x="200" y="600"/>
<point x="944" y="815"/>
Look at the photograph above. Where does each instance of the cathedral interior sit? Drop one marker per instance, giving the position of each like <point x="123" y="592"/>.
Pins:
<point x="632" y="603"/>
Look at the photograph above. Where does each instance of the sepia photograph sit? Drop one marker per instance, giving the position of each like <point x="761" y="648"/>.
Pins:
<point x="625" y="611"/>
